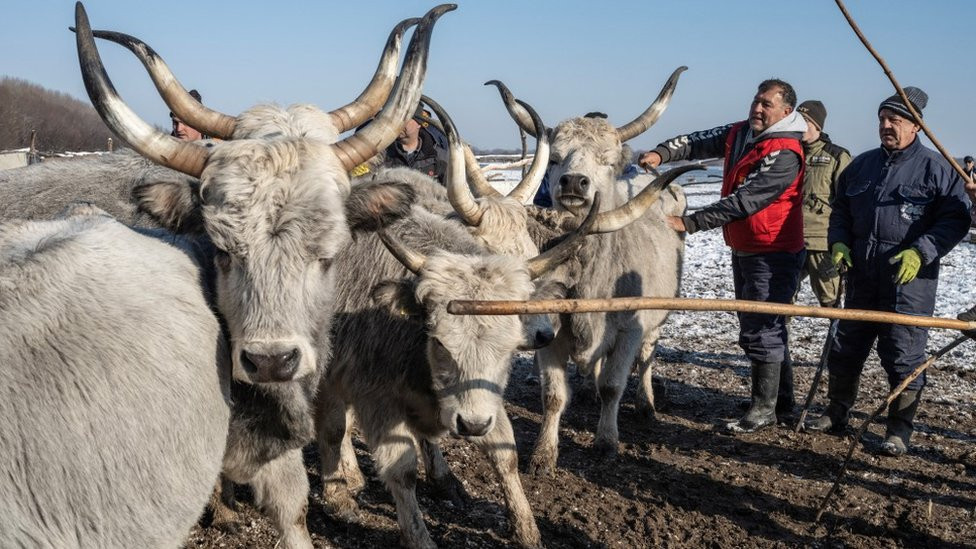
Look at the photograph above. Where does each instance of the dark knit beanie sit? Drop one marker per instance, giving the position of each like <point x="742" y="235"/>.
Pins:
<point x="918" y="98"/>
<point x="814" y="111"/>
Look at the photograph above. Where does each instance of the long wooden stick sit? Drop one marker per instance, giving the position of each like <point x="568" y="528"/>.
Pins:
<point x="901" y="93"/>
<point x="466" y="307"/>
<point x="884" y="405"/>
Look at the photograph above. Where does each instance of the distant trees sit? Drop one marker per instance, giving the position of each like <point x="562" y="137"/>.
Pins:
<point x="62" y="122"/>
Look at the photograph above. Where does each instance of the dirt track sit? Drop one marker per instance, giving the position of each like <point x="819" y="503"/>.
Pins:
<point x="679" y="482"/>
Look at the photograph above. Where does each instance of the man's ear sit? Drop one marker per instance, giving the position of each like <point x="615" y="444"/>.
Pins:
<point x="173" y="204"/>
<point x="398" y="298"/>
<point x="376" y="204"/>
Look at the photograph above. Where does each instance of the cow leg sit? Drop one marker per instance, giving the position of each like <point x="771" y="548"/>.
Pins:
<point x="332" y="434"/>
<point x="645" y="369"/>
<point x="611" y="384"/>
<point x="395" y="453"/>
<point x="355" y="480"/>
<point x="281" y="492"/>
<point x="555" y="395"/>
<point x="223" y="507"/>
<point x="446" y="486"/>
<point x="499" y="447"/>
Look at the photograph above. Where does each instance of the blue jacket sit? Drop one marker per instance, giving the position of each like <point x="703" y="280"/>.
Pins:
<point x="887" y="202"/>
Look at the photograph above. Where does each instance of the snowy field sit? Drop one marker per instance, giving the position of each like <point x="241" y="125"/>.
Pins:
<point x="708" y="274"/>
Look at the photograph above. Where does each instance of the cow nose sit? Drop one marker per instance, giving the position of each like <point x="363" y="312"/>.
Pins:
<point x="574" y="183"/>
<point x="544" y="337"/>
<point x="472" y="428"/>
<point x="276" y="367"/>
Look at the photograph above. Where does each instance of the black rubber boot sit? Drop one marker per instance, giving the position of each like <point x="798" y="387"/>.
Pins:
<point x="901" y="412"/>
<point x="841" y="391"/>
<point x="785" y="402"/>
<point x="762" y="413"/>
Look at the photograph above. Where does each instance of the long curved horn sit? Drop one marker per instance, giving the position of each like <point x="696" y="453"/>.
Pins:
<point x="618" y="218"/>
<point x="647" y="118"/>
<point x="552" y="257"/>
<point x="476" y="178"/>
<point x="183" y="105"/>
<point x="184" y="156"/>
<point x="458" y="192"/>
<point x="378" y="89"/>
<point x="413" y="260"/>
<point x="518" y="113"/>
<point x="526" y="189"/>
<point x="363" y="145"/>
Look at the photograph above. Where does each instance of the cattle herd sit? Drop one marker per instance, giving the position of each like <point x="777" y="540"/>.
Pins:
<point x="191" y="315"/>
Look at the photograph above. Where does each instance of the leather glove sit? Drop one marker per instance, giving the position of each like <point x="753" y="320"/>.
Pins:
<point x="969" y="316"/>
<point x="841" y="254"/>
<point x="911" y="262"/>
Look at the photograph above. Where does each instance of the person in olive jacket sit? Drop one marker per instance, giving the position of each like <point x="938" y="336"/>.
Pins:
<point x="898" y="209"/>
<point x="824" y="163"/>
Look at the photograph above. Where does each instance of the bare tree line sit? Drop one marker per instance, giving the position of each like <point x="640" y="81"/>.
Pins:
<point x="62" y="122"/>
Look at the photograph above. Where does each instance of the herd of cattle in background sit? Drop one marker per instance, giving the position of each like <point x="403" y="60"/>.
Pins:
<point x="208" y="310"/>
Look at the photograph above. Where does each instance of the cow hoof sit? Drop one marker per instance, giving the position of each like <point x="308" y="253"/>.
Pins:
<point x="606" y="450"/>
<point x="230" y="527"/>
<point x="450" y="489"/>
<point x="543" y="463"/>
<point x="343" y="508"/>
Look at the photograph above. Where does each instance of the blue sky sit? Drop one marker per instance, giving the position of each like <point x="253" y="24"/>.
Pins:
<point x="564" y="57"/>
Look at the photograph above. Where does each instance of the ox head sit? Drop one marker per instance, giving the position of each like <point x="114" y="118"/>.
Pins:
<point x="499" y="222"/>
<point x="469" y="356"/>
<point x="588" y="156"/>
<point x="274" y="197"/>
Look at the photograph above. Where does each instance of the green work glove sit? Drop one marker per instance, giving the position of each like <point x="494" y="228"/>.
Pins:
<point x="911" y="262"/>
<point x="840" y="254"/>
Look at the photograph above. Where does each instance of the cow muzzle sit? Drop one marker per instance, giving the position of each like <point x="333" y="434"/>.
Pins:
<point x="473" y="426"/>
<point x="279" y="366"/>
<point x="574" y="184"/>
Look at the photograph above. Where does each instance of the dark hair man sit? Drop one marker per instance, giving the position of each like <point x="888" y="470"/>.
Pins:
<point x="762" y="222"/>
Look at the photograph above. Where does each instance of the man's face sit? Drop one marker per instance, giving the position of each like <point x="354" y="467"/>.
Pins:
<point x="767" y="109"/>
<point x="410" y="131"/>
<point x="812" y="134"/>
<point x="896" y="131"/>
<point x="969" y="164"/>
<point x="184" y="132"/>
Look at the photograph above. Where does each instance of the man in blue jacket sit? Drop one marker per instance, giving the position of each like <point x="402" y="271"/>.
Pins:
<point x="898" y="209"/>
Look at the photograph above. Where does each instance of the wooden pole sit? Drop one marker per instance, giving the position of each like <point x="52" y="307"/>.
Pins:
<point x="904" y="98"/>
<point x="616" y="304"/>
<point x="884" y="405"/>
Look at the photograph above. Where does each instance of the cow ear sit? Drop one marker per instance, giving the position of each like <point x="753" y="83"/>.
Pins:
<point x="398" y="298"/>
<point x="173" y="204"/>
<point x="375" y="204"/>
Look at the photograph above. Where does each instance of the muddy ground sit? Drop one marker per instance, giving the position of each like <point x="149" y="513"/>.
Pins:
<point x="679" y="482"/>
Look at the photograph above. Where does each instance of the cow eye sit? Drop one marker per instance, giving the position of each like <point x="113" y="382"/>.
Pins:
<point x="326" y="263"/>
<point x="222" y="259"/>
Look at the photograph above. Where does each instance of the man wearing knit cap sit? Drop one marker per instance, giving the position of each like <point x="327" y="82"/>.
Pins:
<point x="824" y="163"/>
<point x="417" y="148"/>
<point x="762" y="221"/>
<point x="897" y="210"/>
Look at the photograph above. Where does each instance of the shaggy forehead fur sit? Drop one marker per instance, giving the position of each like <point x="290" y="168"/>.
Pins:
<point x="504" y="228"/>
<point x="272" y="121"/>
<point x="594" y="135"/>
<point x="289" y="190"/>
<point x="448" y="276"/>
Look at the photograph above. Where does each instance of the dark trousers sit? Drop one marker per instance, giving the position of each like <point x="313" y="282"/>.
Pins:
<point x="771" y="277"/>
<point x="900" y="348"/>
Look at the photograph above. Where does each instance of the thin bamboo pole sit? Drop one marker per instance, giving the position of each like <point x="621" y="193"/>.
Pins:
<point x="472" y="307"/>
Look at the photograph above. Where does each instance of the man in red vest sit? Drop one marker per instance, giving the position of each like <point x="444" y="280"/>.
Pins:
<point x="761" y="218"/>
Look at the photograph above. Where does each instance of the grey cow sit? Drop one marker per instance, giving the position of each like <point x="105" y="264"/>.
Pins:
<point x="275" y="200"/>
<point x="411" y="371"/>
<point x="114" y="410"/>
<point x="636" y="255"/>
